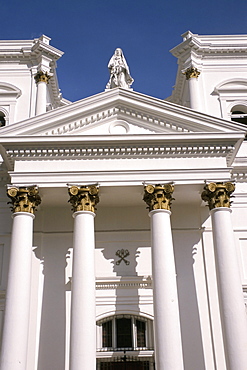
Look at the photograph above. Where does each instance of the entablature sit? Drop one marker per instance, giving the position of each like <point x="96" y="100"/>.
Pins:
<point x="186" y="145"/>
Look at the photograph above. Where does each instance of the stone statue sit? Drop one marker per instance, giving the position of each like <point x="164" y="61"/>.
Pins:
<point x="119" y="71"/>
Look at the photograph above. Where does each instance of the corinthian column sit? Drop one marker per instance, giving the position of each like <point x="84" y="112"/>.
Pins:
<point x="192" y="75"/>
<point x="83" y="316"/>
<point x="233" y="315"/>
<point x="167" y="334"/>
<point x="41" y="79"/>
<point x="16" y="321"/>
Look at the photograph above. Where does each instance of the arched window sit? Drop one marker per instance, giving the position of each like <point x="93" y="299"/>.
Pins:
<point x="125" y="342"/>
<point x="8" y="99"/>
<point x="125" y="332"/>
<point x="232" y="95"/>
<point x="239" y="114"/>
<point x="2" y="119"/>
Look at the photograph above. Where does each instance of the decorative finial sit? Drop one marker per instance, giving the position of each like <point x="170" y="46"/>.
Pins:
<point x="119" y="71"/>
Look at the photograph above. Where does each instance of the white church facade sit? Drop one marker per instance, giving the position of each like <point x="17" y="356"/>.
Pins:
<point x="123" y="234"/>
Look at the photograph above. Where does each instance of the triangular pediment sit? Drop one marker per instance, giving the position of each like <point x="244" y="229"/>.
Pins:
<point x="120" y="125"/>
<point x="120" y="112"/>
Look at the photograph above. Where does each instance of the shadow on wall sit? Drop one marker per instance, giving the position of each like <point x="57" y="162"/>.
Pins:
<point x="123" y="259"/>
<point x="185" y="247"/>
<point x="54" y="253"/>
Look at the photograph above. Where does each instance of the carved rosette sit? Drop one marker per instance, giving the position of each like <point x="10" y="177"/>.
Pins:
<point x="158" y="196"/>
<point x="191" y="73"/>
<point x="217" y="194"/>
<point x="24" y="199"/>
<point x="83" y="198"/>
<point x="42" y="77"/>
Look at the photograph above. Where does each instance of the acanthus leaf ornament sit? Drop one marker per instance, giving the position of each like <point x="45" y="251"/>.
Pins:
<point x="217" y="194"/>
<point x="158" y="196"/>
<point x="24" y="199"/>
<point x="191" y="73"/>
<point x="83" y="198"/>
<point x="42" y="77"/>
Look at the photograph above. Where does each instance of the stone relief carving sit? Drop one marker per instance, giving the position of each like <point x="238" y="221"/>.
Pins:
<point x="83" y="198"/>
<point x="217" y="194"/>
<point x="158" y="196"/>
<point x="119" y="71"/>
<point x="24" y="199"/>
<point x="122" y="254"/>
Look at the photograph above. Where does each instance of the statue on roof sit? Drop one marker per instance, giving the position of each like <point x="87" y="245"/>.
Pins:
<point x="119" y="71"/>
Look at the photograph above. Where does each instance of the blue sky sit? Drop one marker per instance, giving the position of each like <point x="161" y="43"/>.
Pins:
<point x="89" y="31"/>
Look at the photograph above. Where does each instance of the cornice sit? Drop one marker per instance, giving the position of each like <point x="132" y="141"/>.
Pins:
<point x="53" y="84"/>
<point x="178" y="87"/>
<point x="185" y="145"/>
<point x="239" y="174"/>
<point x="40" y="47"/>
<point x="121" y="150"/>
<point x="177" y="142"/>
<point x="227" y="138"/>
<point x="23" y="49"/>
<point x="215" y="44"/>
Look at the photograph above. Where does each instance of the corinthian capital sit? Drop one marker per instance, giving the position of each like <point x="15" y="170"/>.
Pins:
<point x="83" y="198"/>
<point x="217" y="194"/>
<point x="158" y="196"/>
<point x="42" y="77"/>
<point x="24" y="199"/>
<point x="191" y="73"/>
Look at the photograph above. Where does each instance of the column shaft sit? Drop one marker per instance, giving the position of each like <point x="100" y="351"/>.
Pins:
<point x="168" y="346"/>
<point x="192" y="75"/>
<point x="83" y="316"/>
<point x="16" y="321"/>
<point x="41" y="98"/>
<point x="195" y="96"/>
<point x="233" y="313"/>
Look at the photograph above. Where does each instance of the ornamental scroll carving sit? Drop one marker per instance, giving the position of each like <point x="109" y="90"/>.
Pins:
<point x="42" y="77"/>
<point x="191" y="73"/>
<point x="217" y="194"/>
<point x="24" y="199"/>
<point x="83" y="198"/>
<point x="158" y="196"/>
